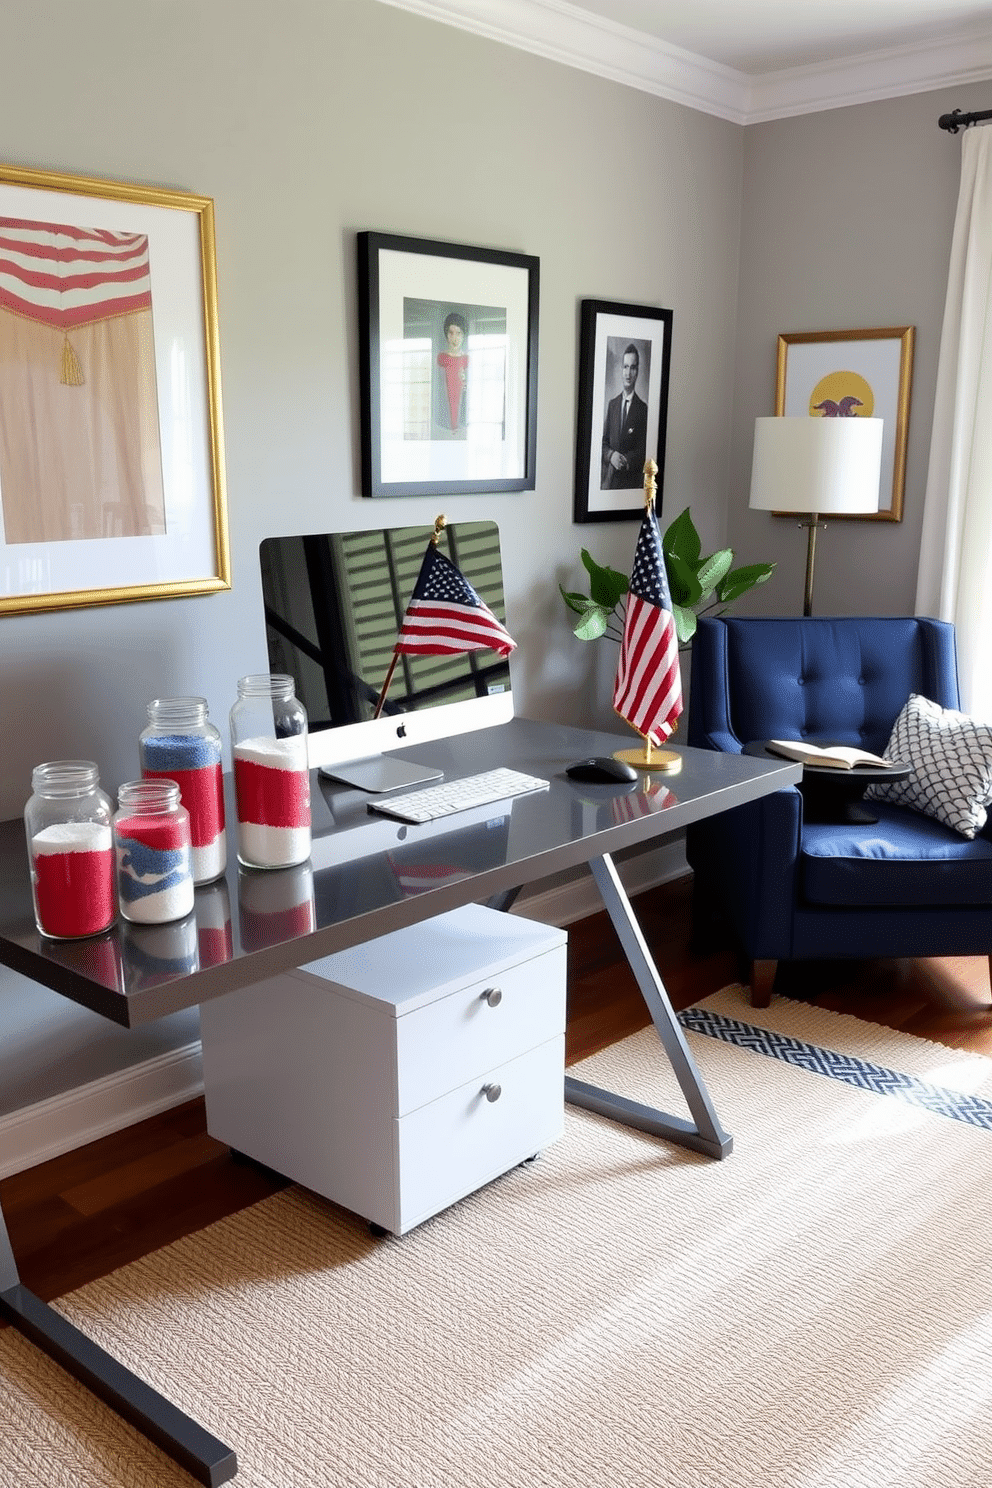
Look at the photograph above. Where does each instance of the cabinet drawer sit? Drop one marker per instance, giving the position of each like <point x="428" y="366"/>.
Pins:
<point x="450" y="1147"/>
<point x="443" y="1044"/>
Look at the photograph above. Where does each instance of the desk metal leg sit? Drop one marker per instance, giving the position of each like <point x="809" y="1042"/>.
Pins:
<point x="201" y="1454"/>
<point x="704" y="1132"/>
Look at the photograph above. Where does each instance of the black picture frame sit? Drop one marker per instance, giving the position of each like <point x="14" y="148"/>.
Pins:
<point x="609" y="330"/>
<point x="432" y="426"/>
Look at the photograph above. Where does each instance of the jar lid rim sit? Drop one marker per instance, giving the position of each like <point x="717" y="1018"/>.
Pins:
<point x="267" y="682"/>
<point x="65" y="777"/>
<point x="66" y="764"/>
<point x="158" y="790"/>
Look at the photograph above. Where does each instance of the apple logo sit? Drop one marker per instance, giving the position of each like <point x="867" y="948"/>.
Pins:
<point x="401" y="731"/>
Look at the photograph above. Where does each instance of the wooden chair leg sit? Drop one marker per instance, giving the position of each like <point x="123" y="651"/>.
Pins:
<point x="762" y="981"/>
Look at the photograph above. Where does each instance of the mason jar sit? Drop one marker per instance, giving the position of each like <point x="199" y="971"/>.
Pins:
<point x="154" y="856"/>
<point x="271" y="772"/>
<point x="181" y="744"/>
<point x="70" y="850"/>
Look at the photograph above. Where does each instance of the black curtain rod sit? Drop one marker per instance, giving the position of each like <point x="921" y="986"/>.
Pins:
<point x="957" y="120"/>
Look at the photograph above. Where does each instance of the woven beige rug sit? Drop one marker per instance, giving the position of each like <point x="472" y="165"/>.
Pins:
<point x="810" y="1313"/>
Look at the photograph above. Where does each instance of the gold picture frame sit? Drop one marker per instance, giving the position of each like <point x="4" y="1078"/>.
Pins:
<point x="112" y="480"/>
<point x="864" y="373"/>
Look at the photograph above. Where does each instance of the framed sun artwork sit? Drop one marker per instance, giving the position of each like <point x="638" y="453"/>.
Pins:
<point x="854" y="374"/>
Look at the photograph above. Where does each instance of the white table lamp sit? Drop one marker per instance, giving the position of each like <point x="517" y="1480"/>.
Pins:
<point x="823" y="466"/>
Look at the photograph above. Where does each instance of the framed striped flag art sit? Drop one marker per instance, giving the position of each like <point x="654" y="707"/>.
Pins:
<point x="111" y="445"/>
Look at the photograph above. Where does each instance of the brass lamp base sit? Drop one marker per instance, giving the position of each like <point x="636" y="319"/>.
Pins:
<point x="666" y="761"/>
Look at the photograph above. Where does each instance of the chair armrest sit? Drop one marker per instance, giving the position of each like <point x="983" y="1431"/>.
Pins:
<point x="709" y="702"/>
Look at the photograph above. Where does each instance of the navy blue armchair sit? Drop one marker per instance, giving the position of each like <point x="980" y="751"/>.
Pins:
<point x="795" y="889"/>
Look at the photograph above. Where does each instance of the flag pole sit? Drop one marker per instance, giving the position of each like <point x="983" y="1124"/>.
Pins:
<point x="438" y="527"/>
<point x="666" y="760"/>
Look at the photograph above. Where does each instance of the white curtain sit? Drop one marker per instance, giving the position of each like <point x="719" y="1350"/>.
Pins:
<point x="955" y="575"/>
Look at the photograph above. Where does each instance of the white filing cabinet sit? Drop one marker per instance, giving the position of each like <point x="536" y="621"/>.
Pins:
<point x="398" y="1076"/>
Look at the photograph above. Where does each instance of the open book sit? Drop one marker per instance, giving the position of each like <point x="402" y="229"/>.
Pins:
<point x="836" y="756"/>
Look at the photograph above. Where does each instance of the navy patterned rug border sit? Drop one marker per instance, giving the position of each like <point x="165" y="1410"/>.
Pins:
<point x="953" y="1104"/>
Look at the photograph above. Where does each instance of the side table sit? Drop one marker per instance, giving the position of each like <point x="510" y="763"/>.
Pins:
<point x="832" y="796"/>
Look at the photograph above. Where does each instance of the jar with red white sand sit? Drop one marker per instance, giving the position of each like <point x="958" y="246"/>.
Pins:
<point x="271" y="772"/>
<point x="154" y="854"/>
<point x="70" y="850"/>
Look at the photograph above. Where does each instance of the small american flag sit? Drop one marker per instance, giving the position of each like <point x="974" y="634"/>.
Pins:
<point x="648" y="692"/>
<point x="445" y="616"/>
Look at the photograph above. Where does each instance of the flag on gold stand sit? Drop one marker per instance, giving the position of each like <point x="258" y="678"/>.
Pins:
<point x="648" y="691"/>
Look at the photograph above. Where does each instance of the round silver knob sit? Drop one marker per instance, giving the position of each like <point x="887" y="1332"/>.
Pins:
<point x="493" y="995"/>
<point x="492" y="1092"/>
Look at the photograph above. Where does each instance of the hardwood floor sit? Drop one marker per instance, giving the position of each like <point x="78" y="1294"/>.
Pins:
<point x="84" y="1214"/>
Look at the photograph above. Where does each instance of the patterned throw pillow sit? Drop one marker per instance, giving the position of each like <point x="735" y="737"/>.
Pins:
<point x="951" y="759"/>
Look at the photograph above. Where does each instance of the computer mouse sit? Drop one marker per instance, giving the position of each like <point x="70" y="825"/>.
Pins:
<point x="602" y="770"/>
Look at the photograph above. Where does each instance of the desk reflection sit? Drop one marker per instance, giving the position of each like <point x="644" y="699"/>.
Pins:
<point x="596" y="807"/>
<point x="649" y="795"/>
<point x="154" y="954"/>
<point x="98" y="958"/>
<point x="275" y="905"/>
<point x="213" y="924"/>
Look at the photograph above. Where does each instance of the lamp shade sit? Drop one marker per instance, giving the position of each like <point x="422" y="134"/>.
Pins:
<point x="830" y="466"/>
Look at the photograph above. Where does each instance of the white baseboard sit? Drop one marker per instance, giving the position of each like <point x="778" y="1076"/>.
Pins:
<point x="50" y="1127"/>
<point x="45" y="1130"/>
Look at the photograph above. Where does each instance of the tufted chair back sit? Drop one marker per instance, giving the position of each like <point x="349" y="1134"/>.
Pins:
<point x="842" y="679"/>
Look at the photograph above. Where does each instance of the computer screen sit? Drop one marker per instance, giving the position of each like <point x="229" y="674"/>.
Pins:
<point x="334" y="605"/>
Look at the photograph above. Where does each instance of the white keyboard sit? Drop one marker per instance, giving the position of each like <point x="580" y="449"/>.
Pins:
<point x="451" y="796"/>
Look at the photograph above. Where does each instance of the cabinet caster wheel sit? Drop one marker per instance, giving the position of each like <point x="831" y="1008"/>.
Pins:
<point x="533" y="1158"/>
<point x="378" y="1230"/>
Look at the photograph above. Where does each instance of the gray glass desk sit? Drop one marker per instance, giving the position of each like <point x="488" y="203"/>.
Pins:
<point x="367" y="876"/>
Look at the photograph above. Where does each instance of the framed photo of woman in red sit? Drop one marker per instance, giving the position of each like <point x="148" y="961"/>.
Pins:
<point x="448" y="367"/>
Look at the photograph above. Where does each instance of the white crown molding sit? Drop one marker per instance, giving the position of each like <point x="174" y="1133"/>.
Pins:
<point x="565" y="33"/>
<point x="914" y="68"/>
<point x="577" y="38"/>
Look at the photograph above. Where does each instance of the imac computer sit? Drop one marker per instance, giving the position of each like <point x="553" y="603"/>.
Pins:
<point x="334" y="605"/>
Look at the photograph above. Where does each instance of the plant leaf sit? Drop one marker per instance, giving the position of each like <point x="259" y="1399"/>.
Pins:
<point x="713" y="569"/>
<point x="683" y="539"/>
<point x="740" y="580"/>
<point x="685" y="623"/>
<point x="686" y="588"/>
<point x="606" y="586"/>
<point x="593" y="624"/>
<point x="577" y="602"/>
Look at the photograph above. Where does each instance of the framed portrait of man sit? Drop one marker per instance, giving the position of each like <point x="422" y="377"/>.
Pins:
<point x="624" y="360"/>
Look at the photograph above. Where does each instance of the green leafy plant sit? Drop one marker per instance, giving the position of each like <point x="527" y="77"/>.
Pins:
<point x="697" y="584"/>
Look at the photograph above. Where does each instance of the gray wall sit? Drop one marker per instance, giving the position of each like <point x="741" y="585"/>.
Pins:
<point x="847" y="223"/>
<point x="307" y="125"/>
